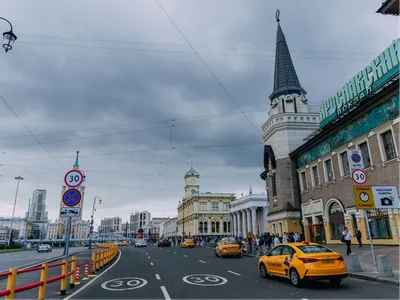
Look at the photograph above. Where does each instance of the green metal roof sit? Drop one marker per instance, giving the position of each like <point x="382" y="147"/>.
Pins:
<point x="192" y="170"/>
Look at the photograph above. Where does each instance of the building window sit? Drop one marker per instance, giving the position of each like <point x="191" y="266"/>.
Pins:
<point x="336" y="218"/>
<point x="225" y="227"/>
<point x="344" y="160"/>
<point x="213" y="227"/>
<point x="217" y="227"/>
<point x="303" y="181"/>
<point x="274" y="185"/>
<point x="365" y="154"/>
<point x="214" y="206"/>
<point x="329" y="170"/>
<point x="315" y="175"/>
<point x="273" y="228"/>
<point x="388" y="145"/>
<point x="280" y="229"/>
<point x="205" y="229"/>
<point x="379" y="224"/>
<point x="203" y="206"/>
<point x="226" y="206"/>
<point x="229" y="226"/>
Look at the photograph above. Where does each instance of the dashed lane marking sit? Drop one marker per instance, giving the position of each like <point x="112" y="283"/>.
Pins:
<point x="175" y="252"/>
<point x="148" y="256"/>
<point x="234" y="273"/>
<point x="158" y="277"/>
<point x="202" y="261"/>
<point x="166" y="295"/>
<point x="185" y="255"/>
<point x="151" y="264"/>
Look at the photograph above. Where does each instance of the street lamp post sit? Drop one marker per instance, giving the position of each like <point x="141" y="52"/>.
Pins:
<point x="183" y="218"/>
<point x="19" y="178"/>
<point x="91" y="221"/>
<point x="8" y="37"/>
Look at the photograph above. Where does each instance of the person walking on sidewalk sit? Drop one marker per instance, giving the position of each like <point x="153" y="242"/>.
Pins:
<point x="347" y="239"/>
<point x="358" y="236"/>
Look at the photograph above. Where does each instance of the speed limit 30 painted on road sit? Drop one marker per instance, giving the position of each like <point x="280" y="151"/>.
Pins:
<point x="359" y="176"/>
<point x="73" y="178"/>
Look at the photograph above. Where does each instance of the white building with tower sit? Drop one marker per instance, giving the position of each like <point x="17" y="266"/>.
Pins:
<point x="249" y="214"/>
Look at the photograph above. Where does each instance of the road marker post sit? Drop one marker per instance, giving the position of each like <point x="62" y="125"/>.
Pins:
<point x="93" y="271"/>
<point x="72" y="280"/>
<point x="43" y="278"/>
<point x="86" y="272"/>
<point x="64" y="272"/>
<point x="77" y="275"/>
<point x="11" y="281"/>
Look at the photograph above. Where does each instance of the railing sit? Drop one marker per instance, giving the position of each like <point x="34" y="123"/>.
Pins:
<point x="100" y="259"/>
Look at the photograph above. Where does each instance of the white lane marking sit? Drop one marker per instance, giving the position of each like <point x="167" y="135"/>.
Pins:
<point x="234" y="273"/>
<point x="158" y="277"/>
<point x="148" y="256"/>
<point x="185" y="255"/>
<point x="202" y="261"/>
<point x="151" y="264"/>
<point x="166" y="295"/>
<point x="175" y="252"/>
<point x="196" y="254"/>
<point x="304" y="299"/>
<point x="94" y="279"/>
<point x="168" y="250"/>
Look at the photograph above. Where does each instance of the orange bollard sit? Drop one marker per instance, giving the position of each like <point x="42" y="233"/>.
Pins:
<point x="86" y="272"/>
<point x="77" y="273"/>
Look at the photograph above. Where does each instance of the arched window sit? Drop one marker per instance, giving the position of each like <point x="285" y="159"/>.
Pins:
<point x="336" y="218"/>
<point x="213" y="227"/>
<point x="205" y="230"/>
<point x="201" y="227"/>
<point x="273" y="228"/>
<point x="225" y="227"/>
<point x="280" y="229"/>
<point x="229" y="226"/>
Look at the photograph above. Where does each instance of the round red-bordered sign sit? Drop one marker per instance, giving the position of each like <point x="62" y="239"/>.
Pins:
<point x="359" y="176"/>
<point x="73" y="178"/>
<point x="72" y="197"/>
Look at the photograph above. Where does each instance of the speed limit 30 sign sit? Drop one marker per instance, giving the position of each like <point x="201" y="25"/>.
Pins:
<point x="359" y="176"/>
<point x="73" y="178"/>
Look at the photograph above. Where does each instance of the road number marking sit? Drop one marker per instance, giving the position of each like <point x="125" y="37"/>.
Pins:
<point x="124" y="284"/>
<point x="205" y="279"/>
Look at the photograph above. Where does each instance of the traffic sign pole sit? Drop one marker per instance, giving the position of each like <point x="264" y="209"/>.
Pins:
<point x="370" y="240"/>
<point x="67" y="237"/>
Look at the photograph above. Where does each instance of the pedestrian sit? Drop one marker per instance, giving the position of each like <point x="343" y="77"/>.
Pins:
<point x="276" y="240"/>
<point x="358" y="236"/>
<point x="347" y="239"/>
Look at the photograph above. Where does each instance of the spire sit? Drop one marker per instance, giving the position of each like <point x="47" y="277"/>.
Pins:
<point x="76" y="165"/>
<point x="285" y="77"/>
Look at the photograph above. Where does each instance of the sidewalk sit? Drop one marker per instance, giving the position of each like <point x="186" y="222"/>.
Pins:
<point x="367" y="265"/>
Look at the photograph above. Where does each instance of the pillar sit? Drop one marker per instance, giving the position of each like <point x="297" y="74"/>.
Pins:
<point x="238" y="223"/>
<point x="244" y="234"/>
<point x="248" y="213"/>
<point x="254" y="220"/>
<point x="265" y="219"/>
<point x="233" y="224"/>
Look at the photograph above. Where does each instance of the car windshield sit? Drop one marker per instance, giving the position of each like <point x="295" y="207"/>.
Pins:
<point x="231" y="243"/>
<point x="314" y="249"/>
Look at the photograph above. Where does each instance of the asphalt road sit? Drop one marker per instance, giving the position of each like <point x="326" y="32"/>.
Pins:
<point x="176" y="273"/>
<point x="23" y="258"/>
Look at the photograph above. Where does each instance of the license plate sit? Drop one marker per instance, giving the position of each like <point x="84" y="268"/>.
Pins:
<point x="328" y="261"/>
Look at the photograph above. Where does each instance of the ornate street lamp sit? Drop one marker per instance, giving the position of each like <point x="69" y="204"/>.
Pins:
<point x="8" y="37"/>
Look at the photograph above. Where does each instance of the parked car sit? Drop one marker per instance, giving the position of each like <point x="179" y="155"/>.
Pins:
<point x="44" y="248"/>
<point x="163" y="243"/>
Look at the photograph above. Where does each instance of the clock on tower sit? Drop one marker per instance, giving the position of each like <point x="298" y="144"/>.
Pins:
<point x="191" y="182"/>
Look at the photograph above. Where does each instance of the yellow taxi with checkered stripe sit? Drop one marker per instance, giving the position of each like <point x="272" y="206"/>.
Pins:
<point x="303" y="261"/>
<point x="228" y="247"/>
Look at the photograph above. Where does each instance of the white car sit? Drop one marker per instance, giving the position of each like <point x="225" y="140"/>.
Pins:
<point x="44" y="248"/>
<point x="141" y="243"/>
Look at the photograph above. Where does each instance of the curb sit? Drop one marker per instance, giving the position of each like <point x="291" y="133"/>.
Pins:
<point x="382" y="280"/>
<point x="28" y="266"/>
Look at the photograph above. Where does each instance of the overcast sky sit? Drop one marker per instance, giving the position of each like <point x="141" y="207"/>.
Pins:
<point x="116" y="80"/>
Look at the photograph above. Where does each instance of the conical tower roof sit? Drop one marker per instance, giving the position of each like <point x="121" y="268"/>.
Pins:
<point x="285" y="77"/>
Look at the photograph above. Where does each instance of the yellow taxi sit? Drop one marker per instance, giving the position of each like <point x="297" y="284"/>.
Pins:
<point x="188" y="243"/>
<point x="228" y="247"/>
<point x="303" y="261"/>
<point x="124" y="243"/>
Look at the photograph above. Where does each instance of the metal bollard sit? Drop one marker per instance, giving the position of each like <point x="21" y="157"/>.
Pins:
<point x="43" y="278"/>
<point x="93" y="266"/>
<point x="355" y="264"/>
<point x="73" y="268"/>
<point x="64" y="272"/>
<point x="12" y="279"/>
